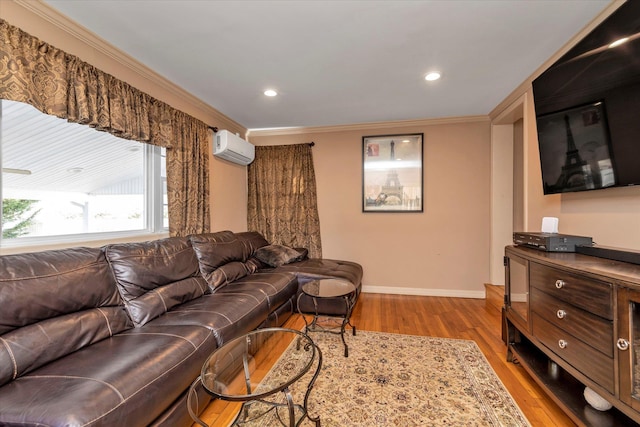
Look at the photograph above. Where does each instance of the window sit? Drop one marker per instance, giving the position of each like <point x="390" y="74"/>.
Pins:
<point x="66" y="179"/>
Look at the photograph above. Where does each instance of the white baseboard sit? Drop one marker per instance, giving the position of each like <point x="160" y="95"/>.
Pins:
<point x="519" y="297"/>
<point x="424" y="292"/>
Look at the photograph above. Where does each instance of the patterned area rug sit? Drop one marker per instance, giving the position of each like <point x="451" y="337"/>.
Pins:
<point x="402" y="380"/>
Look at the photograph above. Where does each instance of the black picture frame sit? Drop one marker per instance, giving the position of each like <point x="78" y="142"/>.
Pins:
<point x="392" y="173"/>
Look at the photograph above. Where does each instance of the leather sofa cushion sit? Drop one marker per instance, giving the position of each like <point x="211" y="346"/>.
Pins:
<point x="276" y="287"/>
<point x="228" y="273"/>
<point x="253" y="240"/>
<point x="33" y="346"/>
<point x="317" y="268"/>
<point x="53" y="303"/>
<point x="41" y="285"/>
<point x="216" y="249"/>
<point x="237" y="308"/>
<point x="225" y="315"/>
<point x="280" y="315"/>
<point x="256" y="243"/>
<point x="277" y="255"/>
<point x="155" y="276"/>
<point x="126" y="380"/>
<point x="222" y="257"/>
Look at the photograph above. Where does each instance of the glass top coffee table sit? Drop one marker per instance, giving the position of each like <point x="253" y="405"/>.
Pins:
<point x="257" y="369"/>
<point x="330" y="288"/>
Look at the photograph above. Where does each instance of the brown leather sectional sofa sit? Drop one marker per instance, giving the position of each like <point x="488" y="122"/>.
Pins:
<point x="115" y="336"/>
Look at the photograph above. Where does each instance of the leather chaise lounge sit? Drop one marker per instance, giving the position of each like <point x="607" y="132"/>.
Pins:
<point x="114" y="336"/>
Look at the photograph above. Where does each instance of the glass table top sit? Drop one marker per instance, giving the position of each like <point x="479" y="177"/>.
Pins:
<point x="237" y="370"/>
<point x="328" y="288"/>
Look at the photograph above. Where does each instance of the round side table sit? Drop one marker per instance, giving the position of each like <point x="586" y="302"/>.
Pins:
<point x="330" y="288"/>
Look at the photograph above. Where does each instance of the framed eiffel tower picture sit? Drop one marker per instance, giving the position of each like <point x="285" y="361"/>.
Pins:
<point x="392" y="175"/>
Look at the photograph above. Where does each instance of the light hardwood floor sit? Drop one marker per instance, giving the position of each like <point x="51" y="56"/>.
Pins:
<point x="473" y="319"/>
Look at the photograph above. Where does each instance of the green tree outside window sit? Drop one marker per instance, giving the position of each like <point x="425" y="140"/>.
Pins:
<point x="18" y="213"/>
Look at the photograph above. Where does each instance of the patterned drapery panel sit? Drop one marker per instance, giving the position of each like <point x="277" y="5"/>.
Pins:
<point x="282" y="197"/>
<point x="189" y="198"/>
<point x="60" y="84"/>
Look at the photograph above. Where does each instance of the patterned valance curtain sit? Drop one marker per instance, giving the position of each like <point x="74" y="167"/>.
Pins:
<point x="60" y="84"/>
<point x="282" y="197"/>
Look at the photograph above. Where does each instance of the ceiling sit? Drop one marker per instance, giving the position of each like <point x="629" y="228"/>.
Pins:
<point x="43" y="153"/>
<point x="338" y="62"/>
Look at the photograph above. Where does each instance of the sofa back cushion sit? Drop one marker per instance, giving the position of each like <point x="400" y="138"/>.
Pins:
<point x="53" y="303"/>
<point x="222" y="257"/>
<point x="253" y="240"/>
<point x="155" y="276"/>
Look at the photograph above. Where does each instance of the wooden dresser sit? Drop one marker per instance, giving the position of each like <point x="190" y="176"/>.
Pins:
<point x="571" y="321"/>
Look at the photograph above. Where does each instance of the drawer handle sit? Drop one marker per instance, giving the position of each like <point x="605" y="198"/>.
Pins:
<point x="561" y="314"/>
<point x="622" y="344"/>
<point x="560" y="283"/>
<point x="562" y="344"/>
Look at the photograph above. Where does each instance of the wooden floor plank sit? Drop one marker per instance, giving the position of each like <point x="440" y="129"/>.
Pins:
<point x="475" y="319"/>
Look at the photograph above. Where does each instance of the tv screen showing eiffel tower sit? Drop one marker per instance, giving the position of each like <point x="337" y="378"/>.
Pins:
<point x="596" y="84"/>
<point x="575" y="149"/>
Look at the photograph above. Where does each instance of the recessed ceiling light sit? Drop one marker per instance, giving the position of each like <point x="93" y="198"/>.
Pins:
<point x="619" y="42"/>
<point x="270" y="92"/>
<point x="432" y="76"/>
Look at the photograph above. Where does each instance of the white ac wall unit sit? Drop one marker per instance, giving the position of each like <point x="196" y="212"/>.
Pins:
<point x="231" y="147"/>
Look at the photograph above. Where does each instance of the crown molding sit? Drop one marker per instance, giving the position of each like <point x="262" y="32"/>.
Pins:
<point x="83" y="35"/>
<point x="366" y="126"/>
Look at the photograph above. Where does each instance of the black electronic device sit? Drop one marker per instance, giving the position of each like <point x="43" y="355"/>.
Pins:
<point x="550" y="242"/>
<point x="586" y="107"/>
<point x="616" y="254"/>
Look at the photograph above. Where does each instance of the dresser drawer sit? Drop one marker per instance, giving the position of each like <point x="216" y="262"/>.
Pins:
<point x="589" y="328"/>
<point x="591" y="295"/>
<point x="589" y="361"/>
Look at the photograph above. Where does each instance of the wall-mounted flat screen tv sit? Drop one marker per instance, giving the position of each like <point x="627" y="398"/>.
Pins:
<point x="588" y="109"/>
